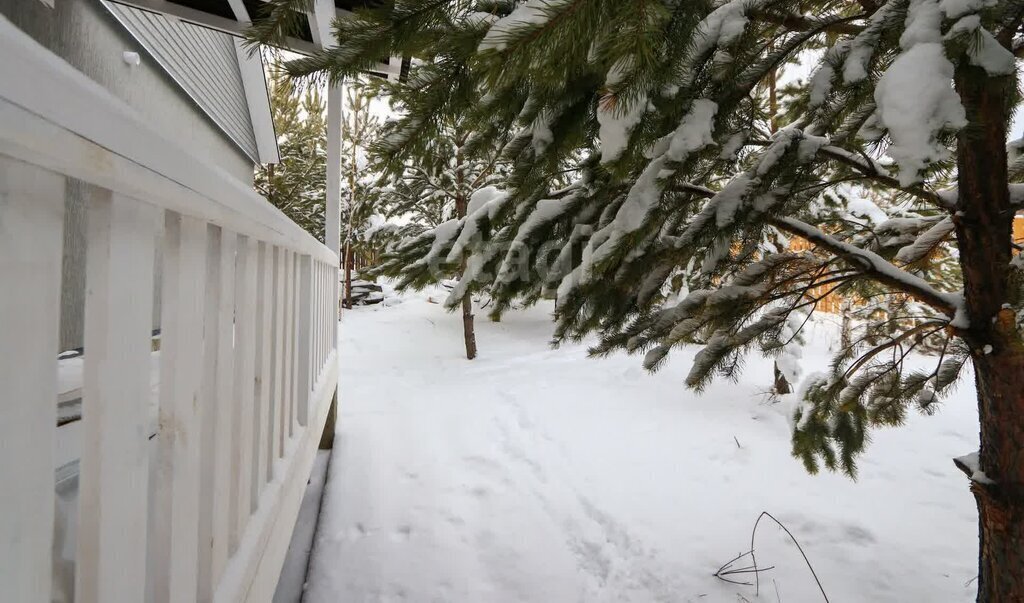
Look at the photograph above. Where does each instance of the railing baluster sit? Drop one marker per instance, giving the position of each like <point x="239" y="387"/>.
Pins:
<point x="325" y="327"/>
<point x="262" y="380"/>
<point x="224" y="439"/>
<point x="305" y="339"/>
<point x="244" y="417"/>
<point x="276" y="352"/>
<point x="177" y="493"/>
<point x="293" y="406"/>
<point x="321" y="323"/>
<point x="31" y="215"/>
<point x="314" y="322"/>
<point x="208" y="412"/>
<point x="321" y="316"/>
<point x="288" y="350"/>
<point x="114" y="465"/>
<point x="333" y="314"/>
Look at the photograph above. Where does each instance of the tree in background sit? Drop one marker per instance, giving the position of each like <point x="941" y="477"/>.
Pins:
<point x="435" y="183"/>
<point x="297" y="185"/>
<point x="438" y="190"/>
<point x="359" y="128"/>
<point x="682" y="176"/>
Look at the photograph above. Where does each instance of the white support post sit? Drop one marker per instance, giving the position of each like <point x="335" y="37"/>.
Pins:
<point x="244" y="424"/>
<point x="319" y="23"/>
<point x="332" y="223"/>
<point x="177" y="492"/>
<point x="31" y="218"/>
<point x="114" y="466"/>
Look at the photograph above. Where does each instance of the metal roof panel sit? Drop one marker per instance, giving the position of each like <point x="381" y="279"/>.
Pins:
<point x="202" y="61"/>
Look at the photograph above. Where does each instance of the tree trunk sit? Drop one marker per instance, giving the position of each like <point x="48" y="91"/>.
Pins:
<point x="467" y="327"/>
<point x="461" y="207"/>
<point x="983" y="228"/>
<point x="468" y="331"/>
<point x="348" y="275"/>
<point x="999" y="378"/>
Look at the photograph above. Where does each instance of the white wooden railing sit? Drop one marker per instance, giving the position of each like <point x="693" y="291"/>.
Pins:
<point x="247" y="368"/>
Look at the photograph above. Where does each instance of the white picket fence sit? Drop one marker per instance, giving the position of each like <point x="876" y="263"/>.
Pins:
<point x="247" y="353"/>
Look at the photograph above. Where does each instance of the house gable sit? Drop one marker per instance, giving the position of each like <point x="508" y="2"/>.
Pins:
<point x="205" y="63"/>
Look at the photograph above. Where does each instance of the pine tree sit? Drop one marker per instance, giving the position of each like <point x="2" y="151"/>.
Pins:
<point x="681" y="177"/>
<point x="296" y="185"/>
<point x="440" y="186"/>
<point x="359" y="127"/>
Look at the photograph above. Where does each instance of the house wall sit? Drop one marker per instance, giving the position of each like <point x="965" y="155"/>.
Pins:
<point x="83" y="33"/>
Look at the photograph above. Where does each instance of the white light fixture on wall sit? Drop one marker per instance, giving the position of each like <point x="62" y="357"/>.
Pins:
<point x="131" y="58"/>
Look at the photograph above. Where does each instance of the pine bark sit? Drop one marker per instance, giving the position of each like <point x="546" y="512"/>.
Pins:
<point x="984" y="223"/>
<point x="468" y="329"/>
<point x="348" y="275"/>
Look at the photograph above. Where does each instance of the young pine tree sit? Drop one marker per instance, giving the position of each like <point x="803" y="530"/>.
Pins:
<point x="683" y="175"/>
<point x="296" y="185"/>
<point x="359" y="127"/>
<point x="440" y="186"/>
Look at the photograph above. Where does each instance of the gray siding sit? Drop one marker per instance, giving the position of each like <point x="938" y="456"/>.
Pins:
<point x="88" y="37"/>
<point x="203" y="62"/>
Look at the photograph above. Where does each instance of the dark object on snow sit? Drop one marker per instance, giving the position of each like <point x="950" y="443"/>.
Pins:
<point x="365" y="293"/>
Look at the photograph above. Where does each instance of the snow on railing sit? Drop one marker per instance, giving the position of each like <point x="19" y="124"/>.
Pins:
<point x="200" y="504"/>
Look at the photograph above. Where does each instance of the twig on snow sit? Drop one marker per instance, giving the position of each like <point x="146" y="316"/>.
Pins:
<point x="753" y="533"/>
<point x="728" y="573"/>
<point x="727" y="570"/>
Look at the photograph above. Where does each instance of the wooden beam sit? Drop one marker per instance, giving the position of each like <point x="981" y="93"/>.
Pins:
<point x="241" y="13"/>
<point x="211" y="21"/>
<point x="320" y="22"/>
<point x="254" y="83"/>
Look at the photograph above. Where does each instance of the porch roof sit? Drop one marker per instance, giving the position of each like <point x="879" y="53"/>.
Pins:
<point x="234" y="17"/>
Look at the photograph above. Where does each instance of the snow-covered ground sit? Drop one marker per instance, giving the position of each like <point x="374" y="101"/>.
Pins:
<point x="541" y="475"/>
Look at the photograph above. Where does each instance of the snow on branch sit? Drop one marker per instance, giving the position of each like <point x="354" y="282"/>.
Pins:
<point x="915" y="96"/>
<point x="926" y="242"/>
<point x="528" y="16"/>
<point x="878" y="267"/>
<point x="878" y="172"/>
<point x="484" y="206"/>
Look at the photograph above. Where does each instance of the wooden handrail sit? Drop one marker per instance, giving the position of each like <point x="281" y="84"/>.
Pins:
<point x="204" y="509"/>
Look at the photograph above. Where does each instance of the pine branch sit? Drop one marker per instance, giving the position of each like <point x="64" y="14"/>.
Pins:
<point x="877" y="173"/>
<point x="795" y="22"/>
<point x="872" y="264"/>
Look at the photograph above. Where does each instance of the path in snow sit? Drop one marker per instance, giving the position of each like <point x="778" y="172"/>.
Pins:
<point x="540" y="475"/>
